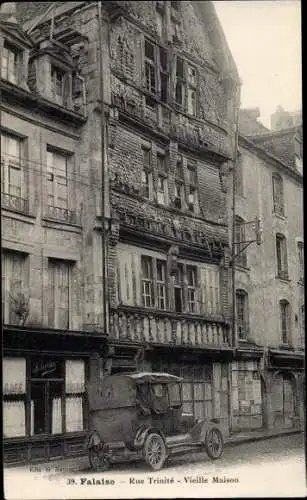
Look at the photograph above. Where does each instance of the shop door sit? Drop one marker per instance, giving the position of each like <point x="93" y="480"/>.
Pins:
<point x="283" y="402"/>
<point x="288" y="406"/>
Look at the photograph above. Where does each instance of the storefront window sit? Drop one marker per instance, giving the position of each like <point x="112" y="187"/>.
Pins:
<point x="14" y="389"/>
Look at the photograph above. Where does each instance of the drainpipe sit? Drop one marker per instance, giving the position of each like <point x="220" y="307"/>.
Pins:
<point x="233" y="252"/>
<point x="103" y="147"/>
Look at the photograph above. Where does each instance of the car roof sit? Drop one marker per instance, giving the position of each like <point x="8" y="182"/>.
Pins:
<point x="141" y="377"/>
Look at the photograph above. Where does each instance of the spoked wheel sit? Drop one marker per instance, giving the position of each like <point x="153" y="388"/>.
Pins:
<point x="98" y="458"/>
<point x="154" y="451"/>
<point x="214" y="443"/>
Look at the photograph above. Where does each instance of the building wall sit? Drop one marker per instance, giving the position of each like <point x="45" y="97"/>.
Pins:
<point x="260" y="279"/>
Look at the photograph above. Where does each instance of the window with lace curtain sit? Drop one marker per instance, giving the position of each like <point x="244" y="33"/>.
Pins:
<point x="59" y="279"/>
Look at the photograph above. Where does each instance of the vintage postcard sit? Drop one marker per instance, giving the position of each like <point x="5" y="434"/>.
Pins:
<point x="152" y="249"/>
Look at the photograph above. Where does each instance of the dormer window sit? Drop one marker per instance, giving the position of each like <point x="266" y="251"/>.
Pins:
<point x="11" y="59"/>
<point x="59" y="85"/>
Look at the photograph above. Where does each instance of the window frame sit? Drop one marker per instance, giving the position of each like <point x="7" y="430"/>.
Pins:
<point x="65" y="97"/>
<point x="285" y="321"/>
<point x="9" y="260"/>
<point x="17" y="51"/>
<point x="55" y="290"/>
<point x="278" y="194"/>
<point x="155" y="71"/>
<point x="192" y="304"/>
<point x="281" y="256"/>
<point x="8" y="163"/>
<point x="183" y="81"/>
<point x="147" y="282"/>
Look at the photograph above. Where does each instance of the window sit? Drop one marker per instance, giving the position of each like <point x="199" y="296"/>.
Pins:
<point x="242" y="314"/>
<point x="241" y="258"/>
<point x="179" y="169"/>
<point x="11" y="59"/>
<point x="57" y="186"/>
<point x="59" y="275"/>
<point x="14" y="397"/>
<point x="192" y="285"/>
<point x="56" y="385"/>
<point x="178" y="289"/>
<point x="156" y="70"/>
<point x="281" y="256"/>
<point x="146" y="179"/>
<point x="302" y="323"/>
<point x="238" y="173"/>
<point x="300" y="251"/>
<point x="193" y="195"/>
<point x="186" y="86"/>
<point x="278" y="194"/>
<point x="179" y="190"/>
<point x="12" y="173"/>
<point x="161" y="163"/>
<point x="15" y="287"/>
<point x="162" y="187"/>
<point x="60" y="86"/>
<point x="285" y="321"/>
<point x="161" y="284"/>
<point x="147" y="281"/>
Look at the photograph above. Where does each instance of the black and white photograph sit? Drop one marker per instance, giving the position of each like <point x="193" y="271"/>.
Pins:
<point x="152" y="249"/>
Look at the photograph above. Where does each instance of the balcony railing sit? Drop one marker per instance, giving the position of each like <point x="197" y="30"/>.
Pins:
<point x="62" y="215"/>
<point x="168" y="328"/>
<point x="14" y="203"/>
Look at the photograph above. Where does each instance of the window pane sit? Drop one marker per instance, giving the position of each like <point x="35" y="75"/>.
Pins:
<point x="149" y="50"/>
<point x="55" y="390"/>
<point x="191" y="102"/>
<point x="14" y="375"/>
<point x="14" y="419"/>
<point x="74" y="414"/>
<point x="74" y="376"/>
<point x="187" y="391"/>
<point x="179" y="68"/>
<point x="192" y="76"/>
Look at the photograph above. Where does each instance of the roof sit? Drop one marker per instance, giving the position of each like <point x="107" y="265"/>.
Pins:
<point x="142" y="377"/>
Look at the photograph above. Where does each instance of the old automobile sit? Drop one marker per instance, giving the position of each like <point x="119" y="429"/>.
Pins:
<point x="144" y="412"/>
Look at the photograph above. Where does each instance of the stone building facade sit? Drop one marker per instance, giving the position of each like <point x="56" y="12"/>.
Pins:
<point x="169" y="90"/>
<point x="267" y="372"/>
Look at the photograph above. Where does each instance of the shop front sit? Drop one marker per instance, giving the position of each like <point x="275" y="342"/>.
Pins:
<point x="247" y="398"/>
<point x="45" y="407"/>
<point x="205" y="374"/>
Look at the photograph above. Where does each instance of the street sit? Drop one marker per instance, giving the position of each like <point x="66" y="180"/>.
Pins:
<point x="272" y="467"/>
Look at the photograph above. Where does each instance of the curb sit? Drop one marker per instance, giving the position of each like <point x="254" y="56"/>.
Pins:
<point x="250" y="439"/>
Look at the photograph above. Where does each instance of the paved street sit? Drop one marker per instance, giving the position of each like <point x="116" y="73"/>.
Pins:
<point x="273" y="467"/>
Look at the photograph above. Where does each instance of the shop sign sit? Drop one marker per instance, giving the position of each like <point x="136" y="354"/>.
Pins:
<point x="13" y="388"/>
<point x="42" y="368"/>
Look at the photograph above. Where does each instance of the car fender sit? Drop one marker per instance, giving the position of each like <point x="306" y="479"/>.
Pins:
<point x="94" y="440"/>
<point x="202" y="427"/>
<point x="142" y="434"/>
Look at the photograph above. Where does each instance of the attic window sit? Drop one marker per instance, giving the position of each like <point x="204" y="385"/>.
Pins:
<point x="10" y="61"/>
<point x="60" y="86"/>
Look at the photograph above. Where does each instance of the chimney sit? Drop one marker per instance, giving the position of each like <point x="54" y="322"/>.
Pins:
<point x="8" y="12"/>
<point x="281" y="119"/>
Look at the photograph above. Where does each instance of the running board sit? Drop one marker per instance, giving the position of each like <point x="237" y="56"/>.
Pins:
<point x="184" y="448"/>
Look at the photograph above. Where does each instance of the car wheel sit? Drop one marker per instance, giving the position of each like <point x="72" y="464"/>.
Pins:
<point x="214" y="443"/>
<point x="98" y="459"/>
<point x="154" y="451"/>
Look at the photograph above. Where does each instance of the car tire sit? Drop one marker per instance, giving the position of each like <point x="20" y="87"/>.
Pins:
<point x="154" y="451"/>
<point x="214" y="443"/>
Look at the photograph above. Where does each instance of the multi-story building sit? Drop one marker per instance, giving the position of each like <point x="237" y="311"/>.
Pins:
<point x="47" y="273"/>
<point x="267" y="376"/>
<point x="145" y="170"/>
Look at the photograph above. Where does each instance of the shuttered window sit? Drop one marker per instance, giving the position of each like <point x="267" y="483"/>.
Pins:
<point x="59" y="272"/>
<point x="15" y="286"/>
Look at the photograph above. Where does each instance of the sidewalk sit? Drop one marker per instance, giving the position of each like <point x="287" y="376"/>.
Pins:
<point x="81" y="463"/>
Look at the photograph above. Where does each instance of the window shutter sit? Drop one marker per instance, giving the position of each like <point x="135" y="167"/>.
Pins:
<point x="210" y="289"/>
<point x="129" y="274"/>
